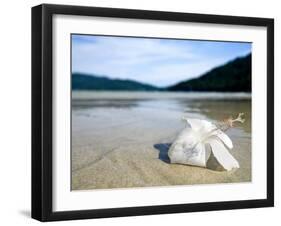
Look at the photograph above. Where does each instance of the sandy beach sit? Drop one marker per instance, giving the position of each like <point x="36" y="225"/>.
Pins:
<point x="120" y="140"/>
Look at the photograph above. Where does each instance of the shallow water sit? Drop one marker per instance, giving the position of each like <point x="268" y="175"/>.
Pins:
<point x="120" y="139"/>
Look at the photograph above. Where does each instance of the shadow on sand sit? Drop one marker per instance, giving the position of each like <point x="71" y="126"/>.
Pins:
<point x="163" y="151"/>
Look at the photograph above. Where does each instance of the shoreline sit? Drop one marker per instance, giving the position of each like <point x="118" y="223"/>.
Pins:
<point x="124" y="95"/>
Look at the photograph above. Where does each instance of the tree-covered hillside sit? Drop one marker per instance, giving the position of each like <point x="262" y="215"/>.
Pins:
<point x="234" y="76"/>
<point x="93" y="82"/>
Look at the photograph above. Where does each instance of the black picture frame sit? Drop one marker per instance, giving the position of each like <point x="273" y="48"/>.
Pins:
<point x="42" y="106"/>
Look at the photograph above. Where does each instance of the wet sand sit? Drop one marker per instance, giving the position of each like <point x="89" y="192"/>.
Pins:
<point x="120" y="140"/>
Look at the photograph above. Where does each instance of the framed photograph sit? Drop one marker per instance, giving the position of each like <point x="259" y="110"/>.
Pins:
<point x="140" y="112"/>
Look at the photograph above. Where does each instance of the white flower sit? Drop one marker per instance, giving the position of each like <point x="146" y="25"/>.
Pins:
<point x="190" y="146"/>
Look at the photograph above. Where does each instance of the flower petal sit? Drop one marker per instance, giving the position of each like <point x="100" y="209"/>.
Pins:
<point x="201" y="125"/>
<point x="223" y="156"/>
<point x="224" y="138"/>
<point x="195" y="124"/>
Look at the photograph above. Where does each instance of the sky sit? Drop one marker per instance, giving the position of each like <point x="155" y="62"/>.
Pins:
<point x="159" y="62"/>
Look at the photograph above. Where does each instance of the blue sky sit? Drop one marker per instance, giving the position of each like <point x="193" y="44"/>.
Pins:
<point x="159" y="62"/>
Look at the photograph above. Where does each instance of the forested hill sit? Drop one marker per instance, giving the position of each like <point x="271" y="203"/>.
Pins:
<point x="93" y="82"/>
<point x="233" y="76"/>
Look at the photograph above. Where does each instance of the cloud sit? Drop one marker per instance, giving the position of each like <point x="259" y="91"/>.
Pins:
<point x="156" y="61"/>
